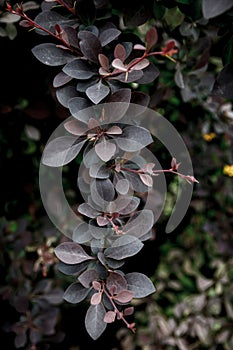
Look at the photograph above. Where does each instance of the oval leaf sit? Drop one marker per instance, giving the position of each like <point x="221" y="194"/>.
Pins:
<point x="105" y="150"/>
<point x="75" y="293"/>
<point x="51" y="55"/>
<point x="124" y="247"/>
<point x="71" y="253"/>
<point x="61" y="151"/>
<point x="139" y="284"/>
<point x="94" y="320"/>
<point x="78" y="69"/>
<point x="97" y="92"/>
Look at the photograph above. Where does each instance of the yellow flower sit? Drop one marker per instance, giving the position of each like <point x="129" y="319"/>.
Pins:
<point x="228" y="170"/>
<point x="209" y="137"/>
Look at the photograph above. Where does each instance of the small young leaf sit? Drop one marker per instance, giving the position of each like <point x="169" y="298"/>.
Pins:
<point x="102" y="221"/>
<point x="96" y="298"/>
<point x="104" y="61"/>
<point x="151" y="38"/>
<point x="110" y="317"/>
<point x="75" y="127"/>
<point x="118" y="64"/>
<point x="128" y="311"/>
<point x="124" y="296"/>
<point x="139" y="284"/>
<point x="71" y="253"/>
<point x="105" y="150"/>
<point x="120" y="52"/>
<point x="146" y="179"/>
<point x="96" y="285"/>
<point x="94" y="320"/>
<point x="115" y="279"/>
<point x="124" y="247"/>
<point x="114" y="130"/>
<point x="97" y="92"/>
<point x="76" y="293"/>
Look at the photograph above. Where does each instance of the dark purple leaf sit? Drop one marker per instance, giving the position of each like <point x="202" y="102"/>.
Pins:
<point x="108" y="35"/>
<point x="150" y="73"/>
<point x="78" y="69"/>
<point x="120" y="52"/>
<point x="76" y="105"/>
<point x="223" y="85"/>
<point x="140" y="223"/>
<point x="140" y="98"/>
<point x="66" y="93"/>
<point x="124" y="296"/>
<point x="76" y="293"/>
<point x="61" y="79"/>
<point x="126" y="205"/>
<point x="51" y="55"/>
<point x="128" y="47"/>
<point x="94" y="320"/>
<point x="49" y="19"/>
<point x="71" y="253"/>
<point x="130" y="76"/>
<point x="135" y="182"/>
<point x="134" y="138"/>
<point x="151" y="38"/>
<point x="71" y="35"/>
<point x="81" y="234"/>
<point x="124" y="247"/>
<point x="21" y="303"/>
<point x="102" y="190"/>
<point x="87" y="277"/>
<point x="61" y="151"/>
<point x="96" y="298"/>
<point x="82" y="85"/>
<point x="110" y="317"/>
<point x="116" y="280"/>
<point x="72" y="269"/>
<point x="97" y="92"/>
<point x="54" y="297"/>
<point x="98" y="171"/>
<point x="214" y="8"/>
<point x="105" y="150"/>
<point x="114" y="264"/>
<point x="139" y="284"/>
<point x="89" y="45"/>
